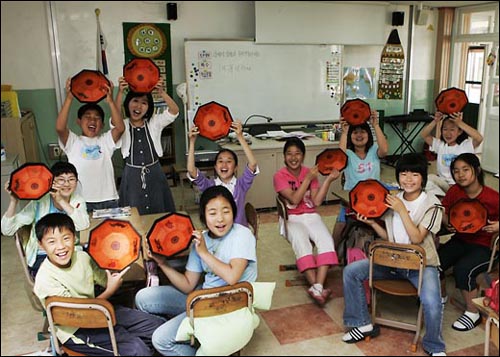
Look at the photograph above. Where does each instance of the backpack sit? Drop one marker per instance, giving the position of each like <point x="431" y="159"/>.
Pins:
<point x="491" y="296"/>
<point x="356" y="235"/>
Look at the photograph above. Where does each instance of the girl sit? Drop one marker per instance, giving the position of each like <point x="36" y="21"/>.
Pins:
<point x="363" y="161"/>
<point x="226" y="165"/>
<point x="225" y="254"/>
<point x="413" y="218"/>
<point x="469" y="254"/>
<point x="62" y="198"/>
<point x="143" y="182"/>
<point x="299" y="186"/>
<point x="456" y="138"/>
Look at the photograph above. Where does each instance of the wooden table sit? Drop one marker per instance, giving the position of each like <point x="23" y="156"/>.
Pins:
<point x="491" y="329"/>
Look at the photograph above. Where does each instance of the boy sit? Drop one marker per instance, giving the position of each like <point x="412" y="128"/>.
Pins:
<point x="91" y="152"/>
<point x="414" y="216"/>
<point x="62" y="198"/>
<point x="71" y="273"/>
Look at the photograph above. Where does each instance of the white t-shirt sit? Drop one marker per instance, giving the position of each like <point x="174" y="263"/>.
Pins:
<point x="400" y="234"/>
<point x="92" y="159"/>
<point x="446" y="154"/>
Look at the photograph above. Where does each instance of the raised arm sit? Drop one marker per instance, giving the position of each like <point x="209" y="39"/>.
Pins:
<point x="122" y="84"/>
<point x="383" y="146"/>
<point x="319" y="196"/>
<point x="62" y="118"/>
<point x="458" y="119"/>
<point x="173" y="108"/>
<point x="116" y="116"/>
<point x="343" y="136"/>
<point x="238" y="129"/>
<point x="192" y="170"/>
<point x="426" y="132"/>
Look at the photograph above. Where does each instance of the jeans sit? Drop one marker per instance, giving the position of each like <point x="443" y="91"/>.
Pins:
<point x="166" y="300"/>
<point x="356" y="309"/>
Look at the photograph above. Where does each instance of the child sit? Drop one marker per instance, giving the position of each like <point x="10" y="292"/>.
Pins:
<point x="143" y="184"/>
<point x="224" y="254"/>
<point x="91" y="152"/>
<point x="299" y="186"/>
<point x="456" y="137"/>
<point x="226" y="164"/>
<point x="414" y="217"/>
<point x="71" y="273"/>
<point x="62" y="198"/>
<point x="363" y="162"/>
<point x="469" y="254"/>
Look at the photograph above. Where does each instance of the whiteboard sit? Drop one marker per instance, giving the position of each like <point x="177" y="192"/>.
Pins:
<point x="285" y="82"/>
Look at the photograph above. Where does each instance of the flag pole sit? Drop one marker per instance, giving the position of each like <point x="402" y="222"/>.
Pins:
<point x="102" y="64"/>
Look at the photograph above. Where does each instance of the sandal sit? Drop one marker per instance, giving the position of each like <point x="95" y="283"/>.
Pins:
<point x="356" y="335"/>
<point x="466" y="322"/>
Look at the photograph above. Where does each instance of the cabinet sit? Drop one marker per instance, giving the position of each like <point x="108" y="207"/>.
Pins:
<point x="19" y="137"/>
<point x="10" y="164"/>
<point x="269" y="156"/>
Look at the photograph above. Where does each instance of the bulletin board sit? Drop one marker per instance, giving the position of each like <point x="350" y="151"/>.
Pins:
<point x="289" y="83"/>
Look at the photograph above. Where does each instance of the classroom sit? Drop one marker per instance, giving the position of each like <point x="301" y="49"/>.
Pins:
<point x="281" y="68"/>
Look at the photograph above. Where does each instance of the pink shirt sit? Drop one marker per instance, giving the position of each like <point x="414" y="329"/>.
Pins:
<point x="283" y="179"/>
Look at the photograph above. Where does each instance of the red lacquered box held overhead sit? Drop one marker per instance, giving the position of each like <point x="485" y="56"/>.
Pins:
<point x="213" y="120"/>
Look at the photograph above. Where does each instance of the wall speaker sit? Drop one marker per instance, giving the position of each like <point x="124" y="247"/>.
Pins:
<point x="398" y="18"/>
<point x="171" y="11"/>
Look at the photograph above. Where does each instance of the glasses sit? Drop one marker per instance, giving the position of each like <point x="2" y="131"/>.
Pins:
<point x="61" y="181"/>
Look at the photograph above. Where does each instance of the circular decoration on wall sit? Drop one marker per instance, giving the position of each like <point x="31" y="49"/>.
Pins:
<point x="146" y="40"/>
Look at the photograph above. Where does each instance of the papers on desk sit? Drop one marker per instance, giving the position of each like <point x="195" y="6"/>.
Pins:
<point x="112" y="212"/>
<point x="281" y="134"/>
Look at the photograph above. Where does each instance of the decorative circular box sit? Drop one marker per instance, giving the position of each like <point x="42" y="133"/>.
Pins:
<point x="89" y="86"/>
<point x="355" y="111"/>
<point x="141" y="74"/>
<point x="170" y="234"/>
<point x="330" y="159"/>
<point x="468" y="215"/>
<point x="368" y="198"/>
<point x="451" y="100"/>
<point x="31" y="181"/>
<point x="213" y="120"/>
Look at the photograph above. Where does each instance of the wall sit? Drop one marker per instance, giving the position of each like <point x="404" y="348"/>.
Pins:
<point x="27" y="60"/>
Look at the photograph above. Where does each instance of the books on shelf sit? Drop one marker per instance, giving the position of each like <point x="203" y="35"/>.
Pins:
<point x="112" y="212"/>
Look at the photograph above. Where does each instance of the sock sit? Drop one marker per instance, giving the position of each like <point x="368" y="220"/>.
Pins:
<point x="318" y="287"/>
<point x="473" y="315"/>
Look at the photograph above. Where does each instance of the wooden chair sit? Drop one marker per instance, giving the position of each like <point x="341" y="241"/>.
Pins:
<point x="21" y="237"/>
<point x="218" y="301"/>
<point x="403" y="256"/>
<point x="81" y="313"/>
<point x="252" y="219"/>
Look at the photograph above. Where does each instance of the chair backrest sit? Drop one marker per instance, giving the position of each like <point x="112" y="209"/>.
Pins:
<point x="82" y="313"/>
<point x="218" y="301"/>
<point x="252" y="218"/>
<point x="395" y="255"/>
<point x="494" y="253"/>
<point x="282" y="211"/>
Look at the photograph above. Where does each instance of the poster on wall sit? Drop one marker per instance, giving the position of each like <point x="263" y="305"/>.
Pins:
<point x="390" y="82"/>
<point x="359" y="82"/>
<point x="150" y="40"/>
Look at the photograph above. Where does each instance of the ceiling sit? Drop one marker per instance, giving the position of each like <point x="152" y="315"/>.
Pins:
<point x="436" y="4"/>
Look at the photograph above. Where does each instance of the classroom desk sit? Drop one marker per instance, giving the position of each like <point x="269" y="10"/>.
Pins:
<point x="491" y="329"/>
<point x="400" y="124"/>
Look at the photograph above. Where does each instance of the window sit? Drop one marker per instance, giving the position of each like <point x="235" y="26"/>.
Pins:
<point x="474" y="73"/>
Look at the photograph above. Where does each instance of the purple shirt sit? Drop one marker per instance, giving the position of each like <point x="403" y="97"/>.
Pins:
<point x="241" y="188"/>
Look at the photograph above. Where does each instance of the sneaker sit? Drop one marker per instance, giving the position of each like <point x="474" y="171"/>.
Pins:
<point x="316" y="295"/>
<point x="436" y="353"/>
<point x="444" y="299"/>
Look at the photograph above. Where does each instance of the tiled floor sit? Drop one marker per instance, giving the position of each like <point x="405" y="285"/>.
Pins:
<point x="293" y="326"/>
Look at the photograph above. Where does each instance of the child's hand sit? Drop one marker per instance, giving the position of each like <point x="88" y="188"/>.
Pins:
<point x="160" y="87"/>
<point x="68" y="88"/>
<point x="374" y="118"/>
<point x="395" y="204"/>
<point x="122" y="84"/>
<point x="193" y="132"/>
<point x="334" y="174"/>
<point x="6" y="187"/>
<point x="313" y="173"/>
<point x="115" y="279"/>
<point x="199" y="242"/>
<point x="365" y="219"/>
<point x="237" y="127"/>
<point x="457" y="117"/>
<point x="344" y="125"/>
<point x="491" y="227"/>
<point x="159" y="259"/>
<point x="438" y="116"/>
<point x="109" y="92"/>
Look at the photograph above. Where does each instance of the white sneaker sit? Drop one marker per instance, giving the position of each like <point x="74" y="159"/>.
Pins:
<point x="438" y="354"/>
<point x="444" y="299"/>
